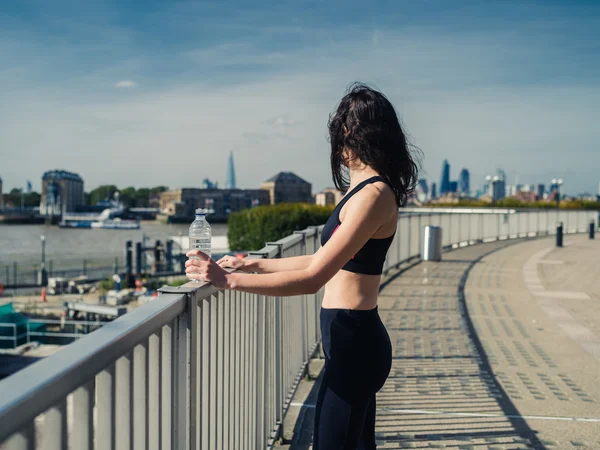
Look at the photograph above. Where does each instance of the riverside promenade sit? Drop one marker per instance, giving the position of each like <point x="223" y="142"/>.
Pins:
<point x="496" y="347"/>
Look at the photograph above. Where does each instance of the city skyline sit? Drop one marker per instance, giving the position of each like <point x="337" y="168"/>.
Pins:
<point x="125" y="95"/>
<point x="473" y="183"/>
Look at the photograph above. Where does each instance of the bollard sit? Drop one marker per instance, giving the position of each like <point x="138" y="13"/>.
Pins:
<point x="169" y="256"/>
<point x="128" y="258"/>
<point x="432" y="244"/>
<point x="138" y="258"/>
<point x="559" y="234"/>
<point x="592" y="229"/>
<point x="157" y="261"/>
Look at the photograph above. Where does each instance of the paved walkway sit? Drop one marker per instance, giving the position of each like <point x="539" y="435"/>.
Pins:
<point x="487" y="355"/>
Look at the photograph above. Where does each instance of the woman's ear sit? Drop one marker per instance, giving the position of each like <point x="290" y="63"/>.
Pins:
<point x="348" y="156"/>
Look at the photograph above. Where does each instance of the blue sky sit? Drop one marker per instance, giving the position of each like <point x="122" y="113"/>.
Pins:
<point x="155" y="92"/>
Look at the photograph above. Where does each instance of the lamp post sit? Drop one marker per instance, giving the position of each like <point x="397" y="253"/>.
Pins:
<point x="43" y="278"/>
<point x="558" y="183"/>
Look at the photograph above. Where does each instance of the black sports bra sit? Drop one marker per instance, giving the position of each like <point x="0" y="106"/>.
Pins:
<point x="370" y="258"/>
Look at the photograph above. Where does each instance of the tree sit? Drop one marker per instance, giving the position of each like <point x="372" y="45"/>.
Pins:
<point x="128" y="196"/>
<point x="102" y="193"/>
<point x="13" y="199"/>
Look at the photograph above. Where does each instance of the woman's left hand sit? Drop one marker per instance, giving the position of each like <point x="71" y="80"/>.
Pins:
<point x="205" y="269"/>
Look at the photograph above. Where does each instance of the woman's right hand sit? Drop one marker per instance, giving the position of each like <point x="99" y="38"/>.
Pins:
<point x="232" y="262"/>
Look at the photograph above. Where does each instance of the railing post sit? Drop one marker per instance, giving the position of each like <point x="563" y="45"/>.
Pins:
<point x="450" y="229"/>
<point x="279" y="397"/>
<point x="498" y="226"/>
<point x="469" y="230"/>
<point x="409" y="255"/>
<point x="592" y="229"/>
<point x="181" y="398"/>
<point x="420" y="235"/>
<point x="304" y="300"/>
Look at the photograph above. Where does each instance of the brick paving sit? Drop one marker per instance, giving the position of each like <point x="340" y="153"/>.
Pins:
<point x="480" y="362"/>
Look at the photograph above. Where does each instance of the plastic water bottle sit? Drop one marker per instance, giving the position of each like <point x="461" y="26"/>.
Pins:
<point x="200" y="233"/>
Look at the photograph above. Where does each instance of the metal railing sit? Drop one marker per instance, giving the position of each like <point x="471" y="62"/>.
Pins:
<point x="194" y="368"/>
<point x="203" y="368"/>
<point x="53" y="331"/>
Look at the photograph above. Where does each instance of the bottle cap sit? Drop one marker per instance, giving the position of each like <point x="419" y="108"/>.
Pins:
<point x="200" y="212"/>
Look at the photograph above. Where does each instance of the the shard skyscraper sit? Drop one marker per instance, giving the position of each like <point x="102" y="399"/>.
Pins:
<point x="230" y="184"/>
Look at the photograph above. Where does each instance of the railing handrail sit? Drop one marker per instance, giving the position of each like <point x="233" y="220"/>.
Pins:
<point x="52" y="379"/>
<point x="486" y="210"/>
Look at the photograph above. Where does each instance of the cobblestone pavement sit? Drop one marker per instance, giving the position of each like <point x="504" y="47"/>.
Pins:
<point x="482" y="358"/>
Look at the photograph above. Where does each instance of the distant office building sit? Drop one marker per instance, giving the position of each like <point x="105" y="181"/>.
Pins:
<point x="541" y="191"/>
<point x="464" y="182"/>
<point x="324" y="198"/>
<point x="180" y="204"/>
<point x="498" y="190"/>
<point x="524" y="196"/>
<point x="230" y="173"/>
<point x="207" y="184"/>
<point x="453" y="187"/>
<point x="433" y="191"/>
<point x="445" y="182"/>
<point x="328" y="197"/>
<point x="62" y="191"/>
<point x="496" y="187"/>
<point x="287" y="187"/>
<point x="500" y="185"/>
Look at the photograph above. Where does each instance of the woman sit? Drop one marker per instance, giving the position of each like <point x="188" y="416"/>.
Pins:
<point x="370" y="160"/>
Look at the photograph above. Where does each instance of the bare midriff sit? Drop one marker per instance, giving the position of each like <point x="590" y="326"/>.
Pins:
<point x="348" y="290"/>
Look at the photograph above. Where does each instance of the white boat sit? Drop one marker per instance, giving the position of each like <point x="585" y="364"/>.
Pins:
<point x="103" y="220"/>
<point x="116" y="224"/>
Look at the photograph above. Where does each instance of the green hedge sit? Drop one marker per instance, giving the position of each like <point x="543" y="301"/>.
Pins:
<point x="249" y="229"/>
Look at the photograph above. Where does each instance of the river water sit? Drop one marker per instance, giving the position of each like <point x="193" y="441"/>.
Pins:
<point x="67" y="248"/>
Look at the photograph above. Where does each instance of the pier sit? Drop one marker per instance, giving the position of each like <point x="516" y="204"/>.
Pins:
<point x="496" y="346"/>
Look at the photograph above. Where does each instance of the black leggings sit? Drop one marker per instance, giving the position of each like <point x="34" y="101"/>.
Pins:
<point x="358" y="359"/>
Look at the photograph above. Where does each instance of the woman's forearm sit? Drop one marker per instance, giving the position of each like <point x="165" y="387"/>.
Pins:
<point x="288" y="283"/>
<point x="265" y="266"/>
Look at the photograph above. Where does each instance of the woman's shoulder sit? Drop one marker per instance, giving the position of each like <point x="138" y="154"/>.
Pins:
<point x="377" y="196"/>
<point x="378" y="192"/>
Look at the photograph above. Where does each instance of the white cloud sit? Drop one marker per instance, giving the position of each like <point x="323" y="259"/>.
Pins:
<point x="125" y="84"/>
<point x="282" y="121"/>
<point x="454" y="93"/>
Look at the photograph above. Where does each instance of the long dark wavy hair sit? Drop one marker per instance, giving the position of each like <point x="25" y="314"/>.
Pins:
<point x="366" y="124"/>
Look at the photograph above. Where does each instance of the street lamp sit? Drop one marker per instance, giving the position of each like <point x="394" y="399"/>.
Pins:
<point x="43" y="274"/>
<point x="558" y="183"/>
